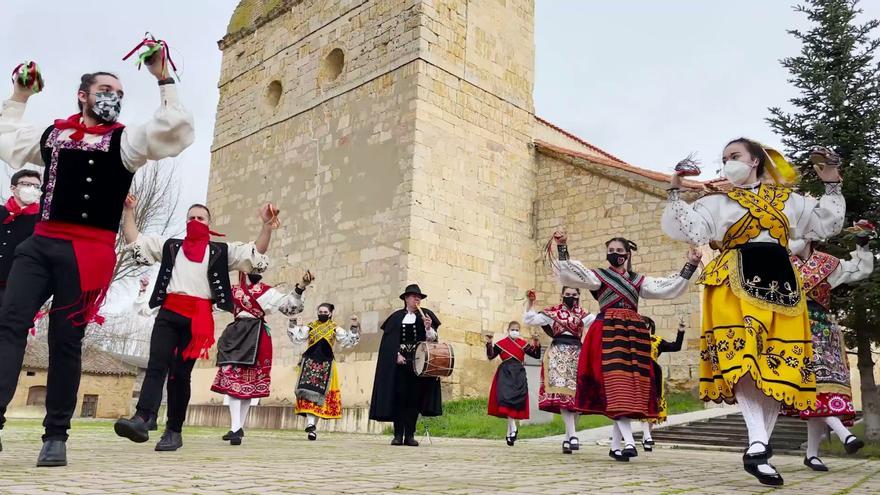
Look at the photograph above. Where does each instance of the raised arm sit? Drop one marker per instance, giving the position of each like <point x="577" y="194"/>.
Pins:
<point x="19" y="142"/>
<point x="166" y="135"/>
<point x="129" y="225"/>
<point x="674" y="286"/>
<point x="296" y="333"/>
<point x="818" y="219"/>
<point x="858" y="267"/>
<point x="673" y="346"/>
<point x="350" y="337"/>
<point x="691" y="223"/>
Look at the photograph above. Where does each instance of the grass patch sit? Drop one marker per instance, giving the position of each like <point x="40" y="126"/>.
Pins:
<point x="835" y="446"/>
<point x="467" y="418"/>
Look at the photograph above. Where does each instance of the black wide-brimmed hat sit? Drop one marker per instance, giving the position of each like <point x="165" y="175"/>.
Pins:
<point x="413" y="289"/>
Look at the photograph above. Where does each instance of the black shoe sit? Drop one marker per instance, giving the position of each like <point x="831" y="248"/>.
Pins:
<point x="774" y="479"/>
<point x="629" y="450"/>
<point x="757" y="457"/>
<point x="228" y="435"/>
<point x="815" y="464"/>
<point x="574" y="443"/>
<point x="152" y="425"/>
<point x="310" y="428"/>
<point x="648" y="445"/>
<point x="312" y="436"/>
<point x="53" y="453"/>
<point x="173" y="440"/>
<point x="566" y="447"/>
<point x="515" y="434"/>
<point x="617" y="456"/>
<point x="853" y="446"/>
<point x="134" y="429"/>
<point x="411" y="442"/>
<point x="396" y="441"/>
<point x="510" y="440"/>
<point x="235" y="438"/>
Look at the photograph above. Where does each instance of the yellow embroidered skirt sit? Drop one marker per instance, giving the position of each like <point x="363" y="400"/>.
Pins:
<point x="332" y="407"/>
<point x="740" y="337"/>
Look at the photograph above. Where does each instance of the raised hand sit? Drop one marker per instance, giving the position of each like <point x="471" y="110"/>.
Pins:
<point x="131" y="202"/>
<point x="694" y="256"/>
<point x="560" y="236"/>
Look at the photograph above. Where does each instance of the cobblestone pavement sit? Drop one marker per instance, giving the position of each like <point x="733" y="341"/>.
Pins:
<point x="270" y="462"/>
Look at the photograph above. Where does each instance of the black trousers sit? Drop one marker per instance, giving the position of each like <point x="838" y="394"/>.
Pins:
<point x="43" y="268"/>
<point x="409" y="396"/>
<point x="171" y="334"/>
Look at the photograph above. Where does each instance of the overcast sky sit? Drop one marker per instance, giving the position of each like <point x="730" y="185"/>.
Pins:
<point x="647" y="81"/>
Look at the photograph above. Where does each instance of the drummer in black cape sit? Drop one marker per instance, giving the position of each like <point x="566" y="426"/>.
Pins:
<point x="399" y="395"/>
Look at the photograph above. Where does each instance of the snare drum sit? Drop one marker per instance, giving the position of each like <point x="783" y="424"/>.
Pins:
<point x="433" y="360"/>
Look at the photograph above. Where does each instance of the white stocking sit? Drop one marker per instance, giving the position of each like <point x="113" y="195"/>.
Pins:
<point x="511" y="426"/>
<point x="616" y="438"/>
<point x="570" y="420"/>
<point x="755" y="406"/>
<point x="311" y="419"/>
<point x="245" y="407"/>
<point x="625" y="431"/>
<point x="841" y="431"/>
<point x="646" y="430"/>
<point x="815" y="431"/>
<point x="235" y="413"/>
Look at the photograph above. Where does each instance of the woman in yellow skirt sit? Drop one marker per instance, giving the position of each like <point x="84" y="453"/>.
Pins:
<point x="756" y="346"/>
<point x="317" y="390"/>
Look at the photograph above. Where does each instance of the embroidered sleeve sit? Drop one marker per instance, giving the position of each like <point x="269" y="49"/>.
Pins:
<point x="244" y="257"/>
<point x="534" y="351"/>
<point x="663" y="288"/>
<point x="146" y="249"/>
<point x="19" y="142"/>
<point x="141" y="305"/>
<point x="287" y="304"/>
<point x="298" y="334"/>
<point x="532" y="317"/>
<point x="573" y="274"/>
<point x="817" y="220"/>
<point x="690" y="223"/>
<point x="858" y="267"/>
<point x="347" y="338"/>
<point x="166" y="135"/>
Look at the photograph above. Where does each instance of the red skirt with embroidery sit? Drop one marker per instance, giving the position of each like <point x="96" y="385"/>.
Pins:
<point x="247" y="382"/>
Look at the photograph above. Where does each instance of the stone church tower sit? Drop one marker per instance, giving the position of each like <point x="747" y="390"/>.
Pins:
<point x="399" y="139"/>
<point x="395" y="137"/>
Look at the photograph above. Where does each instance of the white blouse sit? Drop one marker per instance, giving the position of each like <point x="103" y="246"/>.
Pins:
<point x="191" y="278"/>
<point x="858" y="267"/>
<point x="574" y="274"/>
<point x="274" y="300"/>
<point x="169" y="132"/>
<point x="532" y="317"/>
<point x="708" y="218"/>
<point x="299" y="334"/>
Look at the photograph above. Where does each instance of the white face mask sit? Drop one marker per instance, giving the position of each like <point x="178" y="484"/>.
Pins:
<point x="514" y="334"/>
<point x="28" y="194"/>
<point x="737" y="172"/>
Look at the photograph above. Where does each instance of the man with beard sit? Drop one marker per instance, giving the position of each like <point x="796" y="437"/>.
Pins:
<point x="89" y="159"/>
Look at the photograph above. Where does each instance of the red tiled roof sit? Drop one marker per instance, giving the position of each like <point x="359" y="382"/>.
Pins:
<point x="579" y="140"/>
<point x="617" y="164"/>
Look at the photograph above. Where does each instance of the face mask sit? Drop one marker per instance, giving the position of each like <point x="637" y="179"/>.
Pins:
<point x="29" y="194"/>
<point x="323" y="318"/>
<point x="107" y="106"/>
<point x="737" y="172"/>
<point x="616" y="259"/>
<point x="570" y="301"/>
<point x="514" y="334"/>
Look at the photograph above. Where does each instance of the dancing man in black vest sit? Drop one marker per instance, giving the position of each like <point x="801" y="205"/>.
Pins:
<point x="89" y="159"/>
<point x="398" y="394"/>
<point x="193" y="276"/>
<point x="18" y="218"/>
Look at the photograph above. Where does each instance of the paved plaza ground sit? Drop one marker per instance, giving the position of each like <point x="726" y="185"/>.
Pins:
<point x="271" y="462"/>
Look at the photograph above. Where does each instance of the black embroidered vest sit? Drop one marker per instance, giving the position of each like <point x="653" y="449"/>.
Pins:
<point x="218" y="274"/>
<point x="84" y="184"/>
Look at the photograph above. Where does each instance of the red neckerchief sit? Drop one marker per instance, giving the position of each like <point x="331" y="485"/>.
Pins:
<point x="75" y="122"/>
<point x="196" y="240"/>
<point x="15" y="209"/>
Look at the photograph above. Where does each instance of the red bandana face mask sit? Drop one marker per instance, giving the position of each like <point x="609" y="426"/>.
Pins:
<point x="196" y="240"/>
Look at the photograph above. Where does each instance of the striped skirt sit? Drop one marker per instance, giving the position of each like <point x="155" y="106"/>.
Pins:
<point x="616" y="376"/>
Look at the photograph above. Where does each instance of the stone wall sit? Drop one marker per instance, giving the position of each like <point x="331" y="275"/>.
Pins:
<point x="114" y="394"/>
<point x="593" y="205"/>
